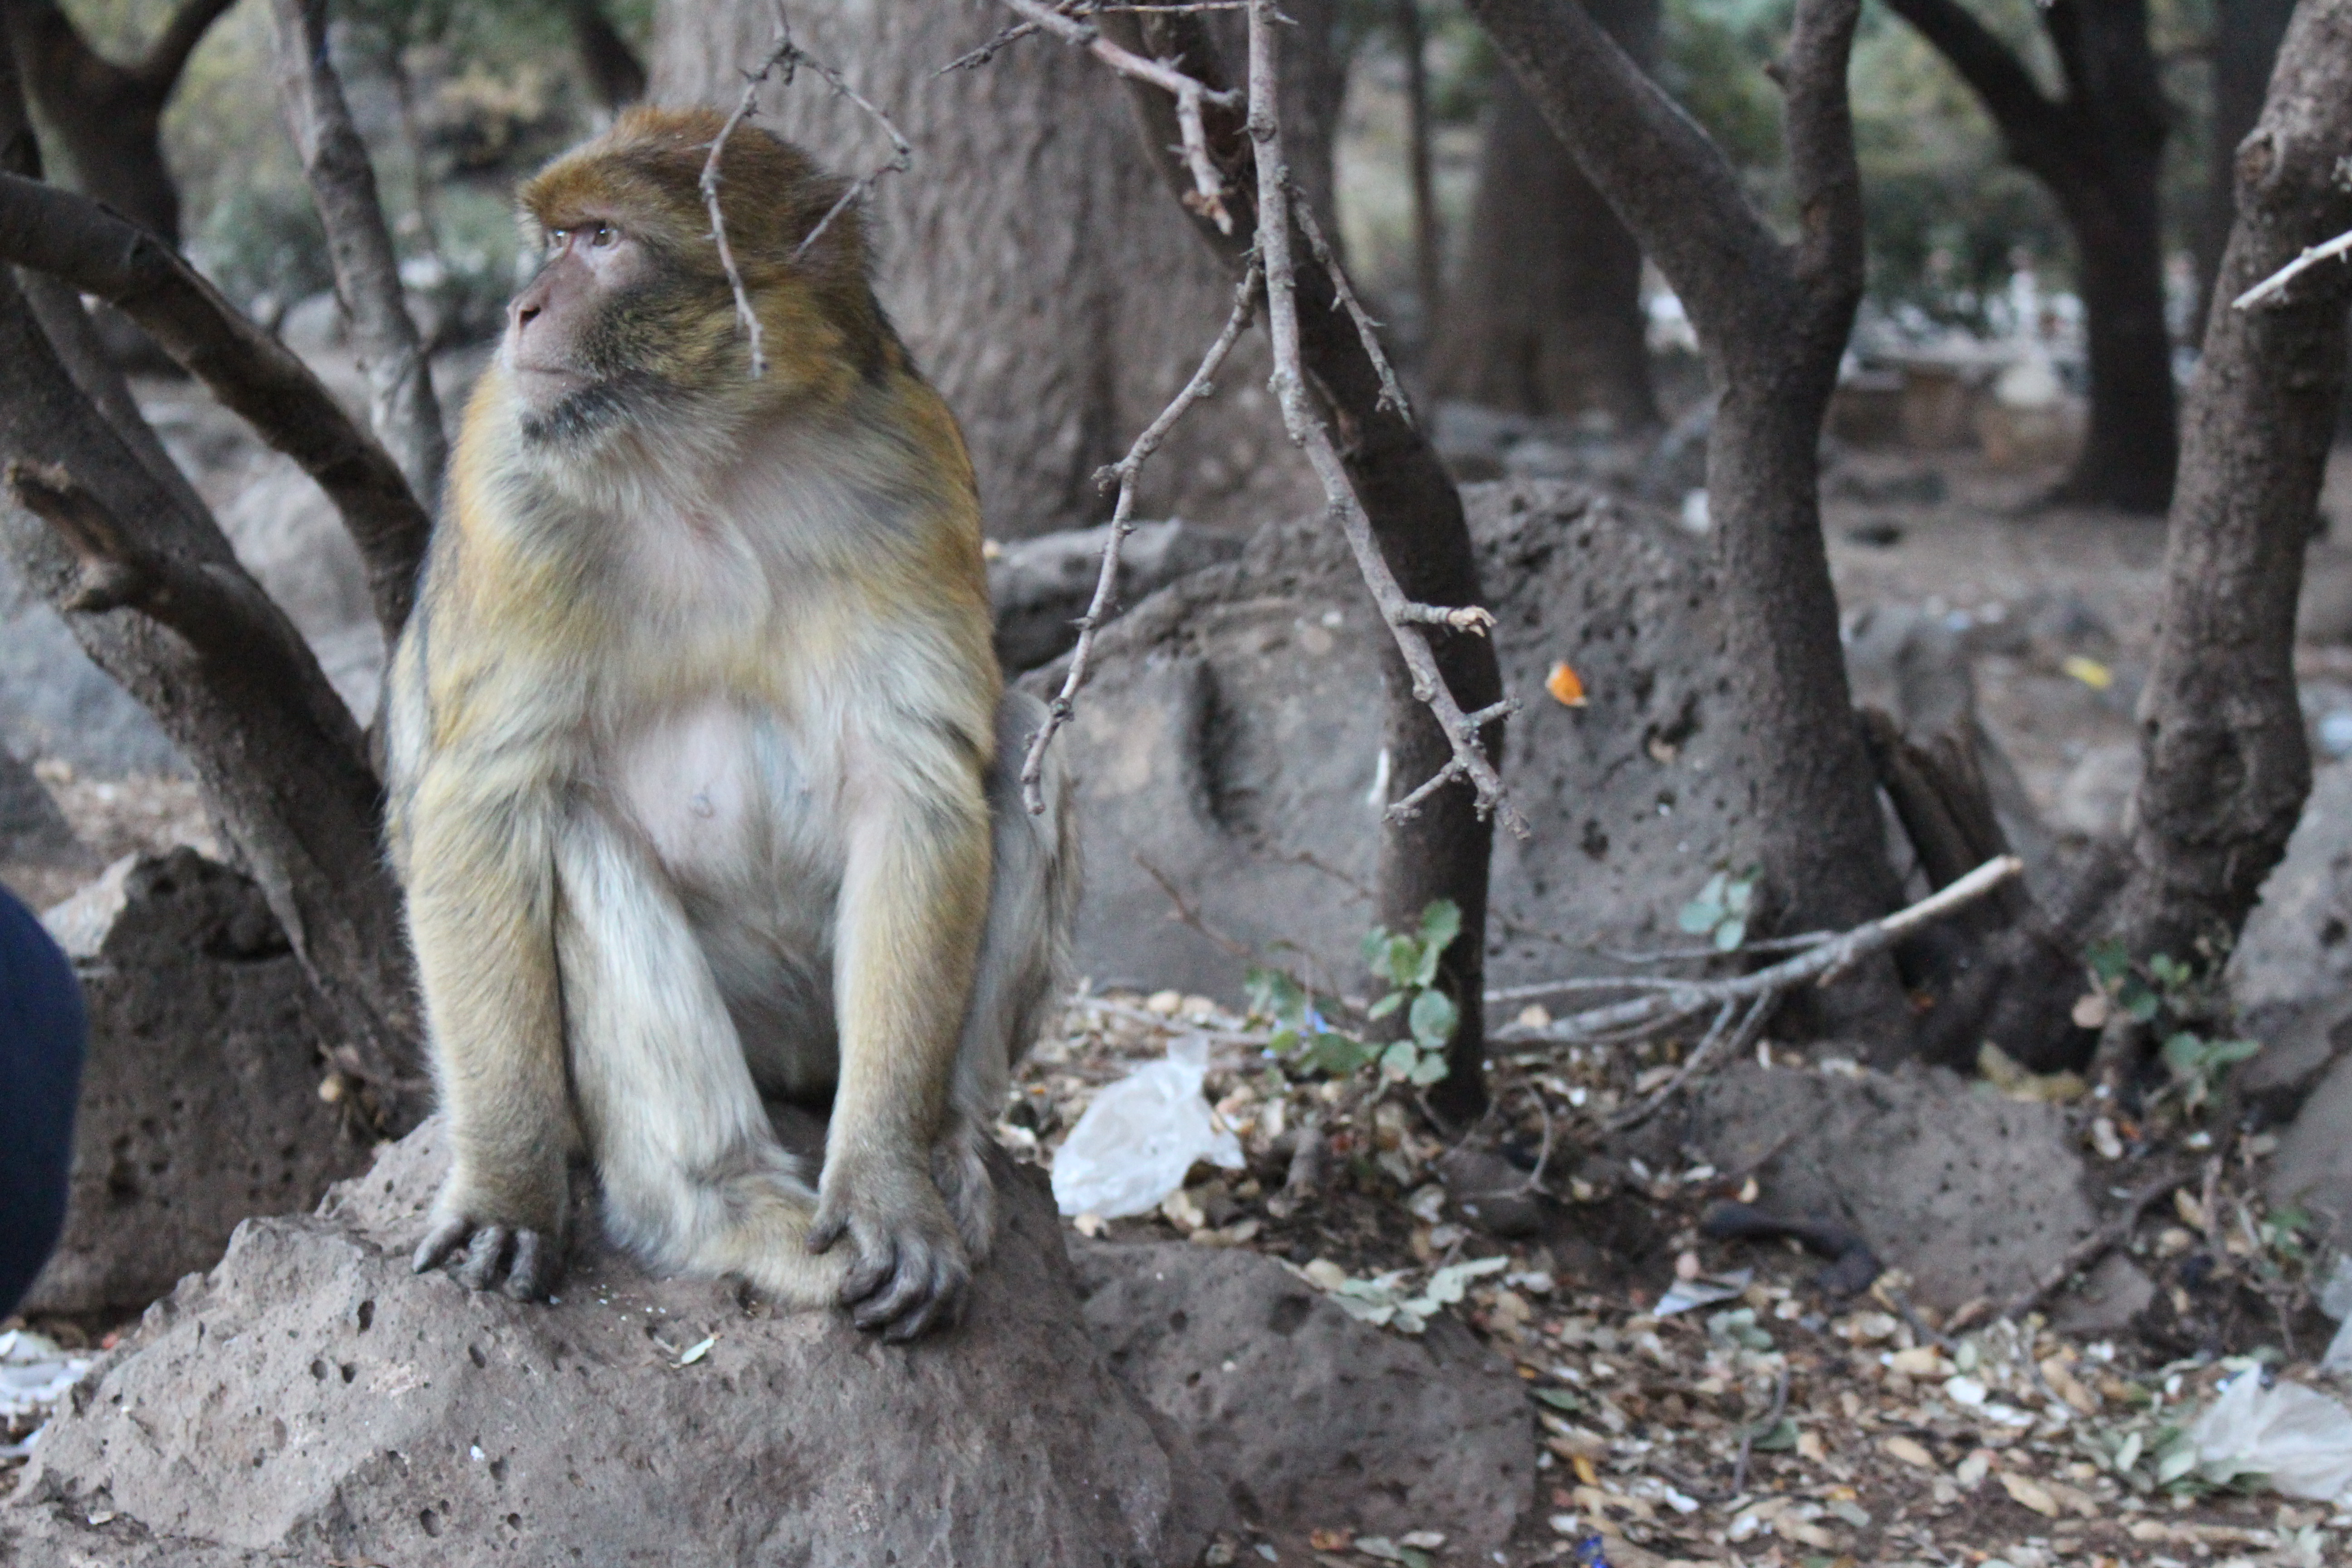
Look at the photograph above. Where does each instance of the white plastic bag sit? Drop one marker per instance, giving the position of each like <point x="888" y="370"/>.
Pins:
<point x="2299" y="1441"/>
<point x="1139" y="1137"/>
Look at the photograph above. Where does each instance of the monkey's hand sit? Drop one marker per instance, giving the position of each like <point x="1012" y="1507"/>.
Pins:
<point x="912" y="1275"/>
<point x="496" y="1237"/>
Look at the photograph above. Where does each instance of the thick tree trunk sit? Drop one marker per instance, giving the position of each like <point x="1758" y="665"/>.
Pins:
<point x="1546" y="315"/>
<point x="2227" y="764"/>
<point x="2244" y="44"/>
<point x="1445" y="850"/>
<point x="1428" y="257"/>
<point x="1315" y="54"/>
<point x="2100" y="150"/>
<point x="1773" y="320"/>
<point x="110" y="116"/>
<point x="614" y="73"/>
<point x="1043" y="280"/>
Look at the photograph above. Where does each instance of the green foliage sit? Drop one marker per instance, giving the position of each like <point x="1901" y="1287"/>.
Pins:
<point x="265" y="239"/>
<point x="1408" y="962"/>
<point x="1721" y="911"/>
<point x="2180" y="1001"/>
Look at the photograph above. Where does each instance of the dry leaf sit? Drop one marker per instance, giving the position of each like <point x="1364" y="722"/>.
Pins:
<point x="1565" y="685"/>
<point x="2029" y="1493"/>
<point x="1910" y="1452"/>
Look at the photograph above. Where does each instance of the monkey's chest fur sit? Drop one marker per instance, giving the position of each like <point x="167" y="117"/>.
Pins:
<point x="742" y="809"/>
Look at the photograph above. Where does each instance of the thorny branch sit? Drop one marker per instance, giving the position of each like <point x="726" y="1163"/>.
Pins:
<point x="790" y="57"/>
<point x="1124" y="472"/>
<point x="1670" y="1003"/>
<point x="1469" y="760"/>
<point x="1208" y="194"/>
<point x="1391" y="394"/>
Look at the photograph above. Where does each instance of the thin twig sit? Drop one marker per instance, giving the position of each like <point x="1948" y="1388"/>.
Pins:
<point x="1469" y="760"/>
<point x="790" y="57"/>
<point x="1366" y="329"/>
<point x="1124" y="472"/>
<point x="2312" y="255"/>
<point x="1747" y="1433"/>
<point x="2091" y="1248"/>
<point x="1821" y="964"/>
<point x="1734" y="1043"/>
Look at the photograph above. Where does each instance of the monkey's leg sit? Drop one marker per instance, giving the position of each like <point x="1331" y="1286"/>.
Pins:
<point x="693" y="1177"/>
<point x="480" y="913"/>
<point x="1023" y="957"/>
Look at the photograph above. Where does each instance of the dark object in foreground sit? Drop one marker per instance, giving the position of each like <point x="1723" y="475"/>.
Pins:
<point x="1853" y="1266"/>
<point x="42" y="1033"/>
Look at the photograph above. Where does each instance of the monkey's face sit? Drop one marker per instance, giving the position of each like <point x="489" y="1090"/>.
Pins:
<point x="578" y="335"/>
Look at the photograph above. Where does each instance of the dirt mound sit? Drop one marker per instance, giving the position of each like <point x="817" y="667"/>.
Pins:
<point x="311" y="1398"/>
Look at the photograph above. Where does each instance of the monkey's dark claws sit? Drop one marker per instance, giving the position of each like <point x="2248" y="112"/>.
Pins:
<point x="438" y="1244"/>
<point x="480" y="1264"/>
<point x="531" y="1268"/>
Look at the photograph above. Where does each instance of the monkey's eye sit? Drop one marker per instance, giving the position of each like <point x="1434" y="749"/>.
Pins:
<point x="602" y="235"/>
<point x="556" y="239"/>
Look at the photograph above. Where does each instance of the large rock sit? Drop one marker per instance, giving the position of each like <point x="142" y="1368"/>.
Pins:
<point x="1972" y="1194"/>
<point x="199" y="1101"/>
<point x="1307" y="1417"/>
<point x="1231" y="741"/>
<point x="312" y="1400"/>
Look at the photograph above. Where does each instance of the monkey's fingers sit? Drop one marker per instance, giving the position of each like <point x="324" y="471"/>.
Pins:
<point x="925" y="1291"/>
<point x="947" y="1294"/>
<point x="439" y="1243"/>
<point x="536" y="1265"/>
<point x="878" y="1262"/>
<point x="482" y="1255"/>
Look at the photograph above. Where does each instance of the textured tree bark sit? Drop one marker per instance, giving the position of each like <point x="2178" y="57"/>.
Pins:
<point x="1041" y="277"/>
<point x="2100" y="151"/>
<point x="1443" y="851"/>
<point x="2244" y="43"/>
<point x="110" y="116"/>
<point x="1428" y="257"/>
<point x="1772" y="321"/>
<point x="2227" y="764"/>
<point x="1547" y="317"/>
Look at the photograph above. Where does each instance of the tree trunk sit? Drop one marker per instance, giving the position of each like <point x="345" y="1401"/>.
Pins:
<point x="1428" y="257"/>
<point x="1041" y="277"/>
<point x="1773" y="320"/>
<point x="2100" y="151"/>
<point x="110" y="116"/>
<point x="1444" y="850"/>
<point x="2244" y="43"/>
<point x="1546" y="315"/>
<point x="2227" y="764"/>
<point x="614" y="73"/>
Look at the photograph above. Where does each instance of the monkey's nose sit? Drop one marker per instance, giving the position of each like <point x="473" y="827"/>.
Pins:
<point x="524" y="314"/>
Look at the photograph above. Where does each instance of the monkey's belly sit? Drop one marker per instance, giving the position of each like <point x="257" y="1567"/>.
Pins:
<point x="736" y="812"/>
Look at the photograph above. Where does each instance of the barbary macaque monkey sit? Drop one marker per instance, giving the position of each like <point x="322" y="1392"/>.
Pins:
<point x="703" y="773"/>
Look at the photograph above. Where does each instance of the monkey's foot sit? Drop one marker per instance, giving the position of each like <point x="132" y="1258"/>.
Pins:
<point x="912" y="1275"/>
<point x="531" y="1271"/>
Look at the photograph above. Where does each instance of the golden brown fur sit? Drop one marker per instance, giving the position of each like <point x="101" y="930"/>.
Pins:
<point x="701" y="763"/>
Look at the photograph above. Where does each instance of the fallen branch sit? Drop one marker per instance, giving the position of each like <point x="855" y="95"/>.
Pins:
<point x="1682" y="1000"/>
<point x="402" y="407"/>
<point x="84" y="245"/>
<point x="790" y="57"/>
<point x="2091" y="1248"/>
<point x="1469" y="760"/>
<point x="2312" y="255"/>
<point x="1732" y="1041"/>
<point x="1124" y="472"/>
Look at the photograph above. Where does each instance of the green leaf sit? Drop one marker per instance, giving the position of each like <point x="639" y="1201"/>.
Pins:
<point x="2108" y="961"/>
<point x="2184" y="1053"/>
<point x="1432" y="1067"/>
<point x="1699" y="917"/>
<point x="1441" y="923"/>
<point x="1375" y="942"/>
<point x="1425" y="973"/>
<point x="2227" y="1053"/>
<point x="1558" y="1398"/>
<point x="2139" y="1001"/>
<point x="1730" y="933"/>
<point x="1283" y="1042"/>
<point x="1778" y="1439"/>
<point x="1385" y="1005"/>
<point x="1432" y="1018"/>
<point x="1399" y="961"/>
<point x="1740" y="895"/>
<point x="1337" y="1054"/>
<point x="1396" y="1062"/>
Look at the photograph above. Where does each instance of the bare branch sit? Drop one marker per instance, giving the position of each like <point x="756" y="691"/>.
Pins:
<point x="1125" y="62"/>
<point x="2312" y="255"/>
<point x="1391" y="394"/>
<point x="1680" y="1000"/>
<point x="401" y="403"/>
<point x="1124" y="472"/>
<point x="1306" y="430"/>
<point x="83" y="244"/>
<point x="790" y="57"/>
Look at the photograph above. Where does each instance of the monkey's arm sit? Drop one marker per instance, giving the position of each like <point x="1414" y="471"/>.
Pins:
<point x="913" y="901"/>
<point x="481" y="897"/>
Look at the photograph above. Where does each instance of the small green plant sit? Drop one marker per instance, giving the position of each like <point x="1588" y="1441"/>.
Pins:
<point x="2178" y="1001"/>
<point x="1720" y="911"/>
<point x="1408" y="962"/>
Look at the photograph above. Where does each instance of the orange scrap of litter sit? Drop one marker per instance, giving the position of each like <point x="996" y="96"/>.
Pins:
<point x="1565" y="685"/>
